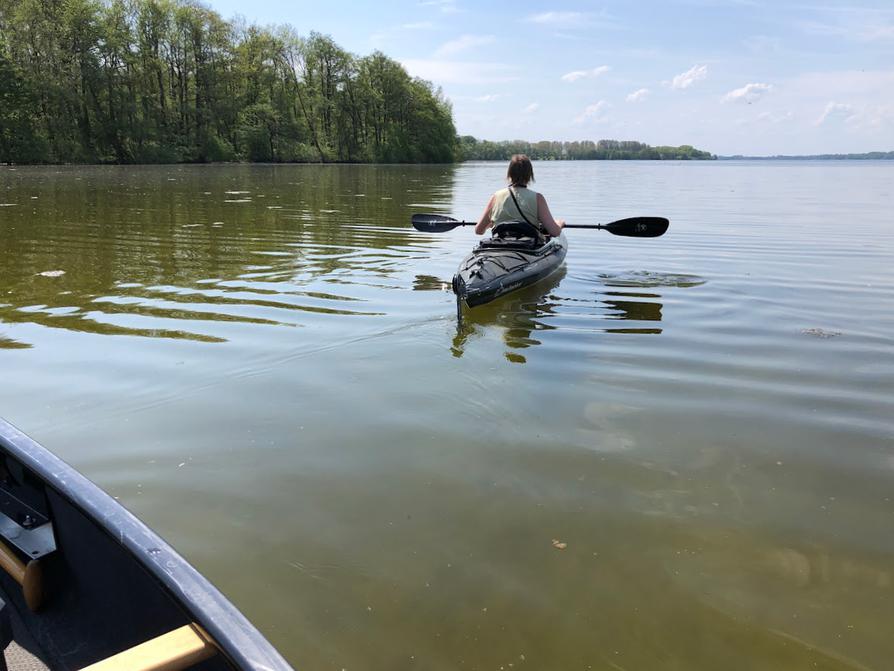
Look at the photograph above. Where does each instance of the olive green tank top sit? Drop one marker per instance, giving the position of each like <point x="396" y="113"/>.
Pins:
<point x="504" y="208"/>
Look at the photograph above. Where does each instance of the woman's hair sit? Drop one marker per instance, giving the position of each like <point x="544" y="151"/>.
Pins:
<point x="520" y="170"/>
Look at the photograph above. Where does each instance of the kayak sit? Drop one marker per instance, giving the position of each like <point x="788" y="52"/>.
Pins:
<point x="85" y="585"/>
<point x="505" y="263"/>
<point x="516" y="317"/>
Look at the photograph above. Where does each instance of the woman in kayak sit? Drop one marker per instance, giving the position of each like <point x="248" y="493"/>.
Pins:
<point x="518" y="203"/>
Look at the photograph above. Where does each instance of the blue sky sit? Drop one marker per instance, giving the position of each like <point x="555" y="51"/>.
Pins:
<point x="736" y="76"/>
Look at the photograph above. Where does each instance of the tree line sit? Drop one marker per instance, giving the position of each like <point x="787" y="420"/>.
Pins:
<point x="867" y="156"/>
<point x="162" y="81"/>
<point x="586" y="150"/>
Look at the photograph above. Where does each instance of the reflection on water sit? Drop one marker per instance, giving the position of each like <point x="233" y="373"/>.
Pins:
<point x="7" y="343"/>
<point x="517" y="315"/>
<point x="166" y="252"/>
<point x="431" y="283"/>
<point x="533" y="309"/>
<point x="640" y="311"/>
<point x="702" y="420"/>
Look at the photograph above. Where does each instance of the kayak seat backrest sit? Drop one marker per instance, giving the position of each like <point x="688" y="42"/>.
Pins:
<point x="516" y="229"/>
<point x="524" y="244"/>
<point x="515" y="235"/>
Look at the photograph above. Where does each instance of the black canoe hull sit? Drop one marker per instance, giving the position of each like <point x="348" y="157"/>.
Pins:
<point x="489" y="273"/>
<point x="110" y="583"/>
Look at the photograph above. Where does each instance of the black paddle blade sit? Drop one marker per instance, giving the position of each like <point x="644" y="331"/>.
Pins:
<point x="639" y="227"/>
<point x="434" y="223"/>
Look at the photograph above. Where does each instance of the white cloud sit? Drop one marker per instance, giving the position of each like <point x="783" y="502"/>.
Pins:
<point x="823" y="29"/>
<point x="876" y="116"/>
<point x="463" y="43"/>
<point x="873" y="84"/>
<point x="747" y="94"/>
<point x="574" y="21"/>
<point x="446" y="6"/>
<point x="763" y="44"/>
<point x="775" y="117"/>
<point x="566" y="35"/>
<point x="420" y="25"/>
<point x="865" y="118"/>
<point x="851" y="23"/>
<point x="835" y="111"/>
<point x="454" y="72"/>
<point x="486" y="99"/>
<point x="638" y="96"/>
<point x="594" y="112"/>
<point x="853" y="108"/>
<point x="585" y="74"/>
<point x="530" y="109"/>
<point x="880" y="32"/>
<point x="694" y="74"/>
<point x="389" y="35"/>
<point x="568" y="19"/>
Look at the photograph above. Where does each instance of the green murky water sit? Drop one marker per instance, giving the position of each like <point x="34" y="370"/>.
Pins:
<point x="264" y="364"/>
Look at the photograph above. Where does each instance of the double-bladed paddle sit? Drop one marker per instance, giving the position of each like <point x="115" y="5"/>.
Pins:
<point x="634" y="227"/>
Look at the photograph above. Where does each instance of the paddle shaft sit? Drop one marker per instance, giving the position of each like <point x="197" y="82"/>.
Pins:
<point x="592" y="226"/>
<point x="595" y="227"/>
<point x="638" y="227"/>
<point x="475" y="223"/>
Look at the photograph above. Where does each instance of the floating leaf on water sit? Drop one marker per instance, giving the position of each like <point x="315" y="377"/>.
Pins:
<point x="52" y="273"/>
<point x="820" y="333"/>
<point x="643" y="278"/>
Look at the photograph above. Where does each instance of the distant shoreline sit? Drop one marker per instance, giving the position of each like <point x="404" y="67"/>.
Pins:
<point x="868" y="156"/>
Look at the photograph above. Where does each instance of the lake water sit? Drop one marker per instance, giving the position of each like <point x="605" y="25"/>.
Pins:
<point x="263" y="363"/>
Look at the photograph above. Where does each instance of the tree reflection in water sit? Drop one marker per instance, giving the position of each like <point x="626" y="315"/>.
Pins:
<point x="541" y="308"/>
<point x="519" y="315"/>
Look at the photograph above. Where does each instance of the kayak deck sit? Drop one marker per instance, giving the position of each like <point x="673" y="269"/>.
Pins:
<point x="498" y="266"/>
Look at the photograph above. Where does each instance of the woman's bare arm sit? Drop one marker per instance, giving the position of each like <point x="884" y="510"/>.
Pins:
<point x="485" y="221"/>
<point x="553" y="226"/>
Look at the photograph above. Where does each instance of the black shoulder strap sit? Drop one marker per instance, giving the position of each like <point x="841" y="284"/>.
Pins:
<point x="518" y="207"/>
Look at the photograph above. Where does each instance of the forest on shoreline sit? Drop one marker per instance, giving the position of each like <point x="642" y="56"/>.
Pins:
<point x="866" y="156"/>
<point x="170" y="81"/>
<point x="472" y="149"/>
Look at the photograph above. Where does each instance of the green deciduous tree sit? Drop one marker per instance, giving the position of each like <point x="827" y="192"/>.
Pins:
<point x="169" y="80"/>
<point x="472" y="149"/>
